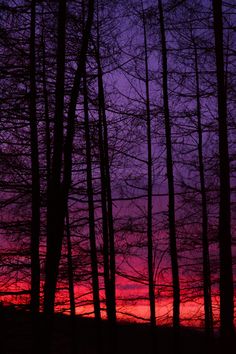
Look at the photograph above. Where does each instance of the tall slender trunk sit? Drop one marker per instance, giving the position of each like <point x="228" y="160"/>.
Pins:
<point x="110" y="304"/>
<point x="107" y="196"/>
<point x="68" y="146"/>
<point x="59" y="191"/>
<point x="205" y="243"/>
<point x="170" y="177"/>
<point x="109" y="207"/>
<point x="35" y="221"/>
<point x="92" y="235"/>
<point x="149" y="165"/>
<point x="35" y="173"/>
<point x="108" y="230"/>
<point x="109" y="204"/>
<point x="55" y="219"/>
<point x="106" y="267"/>
<point x="106" y="244"/>
<point x="226" y="273"/>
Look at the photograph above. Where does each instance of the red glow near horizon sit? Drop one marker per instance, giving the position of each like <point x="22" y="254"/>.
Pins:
<point x="132" y="296"/>
<point x="191" y="310"/>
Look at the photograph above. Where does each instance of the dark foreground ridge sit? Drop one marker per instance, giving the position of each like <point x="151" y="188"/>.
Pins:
<point x="131" y="338"/>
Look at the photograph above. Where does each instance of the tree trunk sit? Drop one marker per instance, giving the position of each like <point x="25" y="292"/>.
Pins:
<point x="58" y="193"/>
<point x="35" y="221"/>
<point x="107" y="183"/>
<point x="35" y="175"/>
<point x="170" y="177"/>
<point x="106" y="197"/>
<point x="205" y="243"/>
<point x="106" y="266"/>
<point x="149" y="188"/>
<point x="109" y="212"/>
<point x="92" y="236"/>
<point x="226" y="273"/>
<point x="55" y="219"/>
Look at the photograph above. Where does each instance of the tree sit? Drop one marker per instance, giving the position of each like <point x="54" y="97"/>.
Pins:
<point x="205" y="242"/>
<point x="92" y="235"/>
<point x="226" y="273"/>
<point x="55" y="215"/>
<point x="170" y="176"/>
<point x="150" y="182"/>
<point x="35" y="222"/>
<point x="58" y="190"/>
<point x="106" y="196"/>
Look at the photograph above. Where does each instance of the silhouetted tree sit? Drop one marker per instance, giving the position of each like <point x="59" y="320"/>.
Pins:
<point x="205" y="242"/>
<point x="92" y="235"/>
<point x="55" y="215"/>
<point x="150" y="181"/>
<point x="226" y="272"/>
<point x="35" y="222"/>
<point x="170" y="176"/>
<point x="107" y="207"/>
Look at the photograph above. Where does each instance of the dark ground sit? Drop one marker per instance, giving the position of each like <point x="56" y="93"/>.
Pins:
<point x="16" y="337"/>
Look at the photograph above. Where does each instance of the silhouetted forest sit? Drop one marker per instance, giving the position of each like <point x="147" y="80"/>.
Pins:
<point x="117" y="176"/>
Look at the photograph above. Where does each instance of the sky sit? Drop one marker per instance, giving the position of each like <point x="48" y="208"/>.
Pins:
<point x="122" y="36"/>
